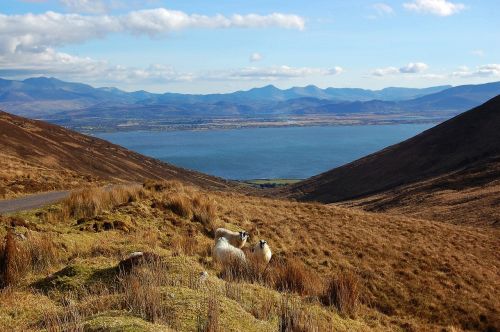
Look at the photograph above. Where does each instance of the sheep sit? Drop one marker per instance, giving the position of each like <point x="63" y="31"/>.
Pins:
<point x="261" y="252"/>
<point x="236" y="239"/>
<point x="225" y="253"/>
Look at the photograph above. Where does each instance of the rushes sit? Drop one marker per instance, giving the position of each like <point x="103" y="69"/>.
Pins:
<point x="11" y="261"/>
<point x="18" y="257"/>
<point x="141" y="290"/>
<point x="343" y="292"/>
<point x="194" y="206"/>
<point x="210" y="323"/>
<point x="293" y="276"/>
<point x="293" y="318"/>
<point x="88" y="203"/>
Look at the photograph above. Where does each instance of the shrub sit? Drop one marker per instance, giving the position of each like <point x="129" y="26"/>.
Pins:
<point x="343" y="292"/>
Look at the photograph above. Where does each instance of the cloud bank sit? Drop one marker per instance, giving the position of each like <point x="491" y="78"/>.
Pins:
<point x="29" y="42"/>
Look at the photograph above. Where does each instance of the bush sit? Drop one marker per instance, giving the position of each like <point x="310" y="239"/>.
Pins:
<point x="343" y="292"/>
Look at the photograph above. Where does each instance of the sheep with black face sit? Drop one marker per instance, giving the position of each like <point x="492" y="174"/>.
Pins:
<point x="261" y="252"/>
<point x="236" y="239"/>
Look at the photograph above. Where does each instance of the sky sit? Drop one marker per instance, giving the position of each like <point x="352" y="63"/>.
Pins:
<point x="208" y="46"/>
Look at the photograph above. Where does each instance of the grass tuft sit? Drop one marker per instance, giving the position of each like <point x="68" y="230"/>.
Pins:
<point x="343" y="292"/>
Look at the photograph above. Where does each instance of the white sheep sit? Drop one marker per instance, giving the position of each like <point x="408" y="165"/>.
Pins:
<point x="261" y="252"/>
<point x="236" y="239"/>
<point x="225" y="253"/>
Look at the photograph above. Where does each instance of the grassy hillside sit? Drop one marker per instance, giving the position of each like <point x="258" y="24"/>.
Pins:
<point x="37" y="156"/>
<point x="333" y="268"/>
<point x="460" y="156"/>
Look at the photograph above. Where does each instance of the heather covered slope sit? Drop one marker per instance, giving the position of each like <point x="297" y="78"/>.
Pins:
<point x="37" y="156"/>
<point x="465" y="148"/>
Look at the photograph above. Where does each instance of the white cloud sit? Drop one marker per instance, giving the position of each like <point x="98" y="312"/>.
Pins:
<point x="382" y="9"/>
<point x="335" y="70"/>
<point x="65" y="66"/>
<point x="385" y="71"/>
<point x="30" y="32"/>
<point x="28" y="41"/>
<point x="435" y="7"/>
<point x="86" y="6"/>
<point x="254" y="57"/>
<point x="278" y="72"/>
<point x="489" y="70"/>
<point x="411" y="68"/>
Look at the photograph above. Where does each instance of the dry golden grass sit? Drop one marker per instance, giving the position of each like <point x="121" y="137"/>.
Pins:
<point x="435" y="273"/>
<point x="293" y="276"/>
<point x="35" y="253"/>
<point x="343" y="292"/>
<point x="211" y="322"/>
<point x="293" y="318"/>
<point x="141" y="291"/>
<point x="19" y="177"/>
<point x="410" y="274"/>
<point x="89" y="202"/>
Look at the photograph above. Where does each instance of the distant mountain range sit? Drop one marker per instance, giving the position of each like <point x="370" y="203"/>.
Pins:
<point x="76" y="104"/>
<point x="43" y="88"/>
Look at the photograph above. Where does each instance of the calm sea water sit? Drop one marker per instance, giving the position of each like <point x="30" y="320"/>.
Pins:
<point x="258" y="153"/>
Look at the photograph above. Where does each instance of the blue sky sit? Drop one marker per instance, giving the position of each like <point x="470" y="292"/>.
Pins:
<point x="225" y="45"/>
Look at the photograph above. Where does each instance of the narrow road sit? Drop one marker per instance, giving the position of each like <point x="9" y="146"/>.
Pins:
<point x="32" y="201"/>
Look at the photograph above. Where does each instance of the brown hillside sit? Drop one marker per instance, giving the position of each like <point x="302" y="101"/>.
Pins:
<point x="37" y="156"/>
<point x="457" y="157"/>
<point x="414" y="275"/>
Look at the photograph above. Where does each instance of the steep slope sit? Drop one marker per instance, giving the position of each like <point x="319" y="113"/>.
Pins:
<point x="469" y="196"/>
<point x="37" y="156"/>
<point x="464" y="150"/>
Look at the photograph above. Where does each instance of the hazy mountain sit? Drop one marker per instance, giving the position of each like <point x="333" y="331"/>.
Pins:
<point x="43" y="88"/>
<point x="72" y="104"/>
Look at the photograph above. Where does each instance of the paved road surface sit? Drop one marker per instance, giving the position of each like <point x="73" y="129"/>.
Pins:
<point x="32" y="201"/>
